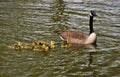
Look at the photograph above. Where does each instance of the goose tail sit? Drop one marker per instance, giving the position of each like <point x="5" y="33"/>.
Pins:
<point x="58" y="32"/>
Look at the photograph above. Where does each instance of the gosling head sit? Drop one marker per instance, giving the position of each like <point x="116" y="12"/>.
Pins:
<point x="19" y="43"/>
<point x="52" y="42"/>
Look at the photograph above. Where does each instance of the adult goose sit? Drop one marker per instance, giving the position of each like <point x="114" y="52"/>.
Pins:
<point x="80" y="37"/>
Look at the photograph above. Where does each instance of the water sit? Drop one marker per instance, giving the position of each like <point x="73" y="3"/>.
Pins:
<point x="31" y="20"/>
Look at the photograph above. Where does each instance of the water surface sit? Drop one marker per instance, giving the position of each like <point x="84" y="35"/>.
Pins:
<point x="31" y="20"/>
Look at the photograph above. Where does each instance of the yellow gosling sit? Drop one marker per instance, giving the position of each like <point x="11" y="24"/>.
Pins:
<point x="38" y="48"/>
<point x="52" y="44"/>
<point x="41" y="42"/>
<point x="28" y="47"/>
<point x="15" y="46"/>
<point x="46" y="48"/>
<point x="34" y="43"/>
<point x="43" y="46"/>
<point x="68" y="41"/>
<point x="66" y="44"/>
<point x="20" y="45"/>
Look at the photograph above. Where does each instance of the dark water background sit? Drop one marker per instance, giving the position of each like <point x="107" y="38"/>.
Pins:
<point x="30" y="20"/>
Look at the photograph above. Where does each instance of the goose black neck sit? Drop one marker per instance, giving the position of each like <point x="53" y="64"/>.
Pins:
<point x="91" y="25"/>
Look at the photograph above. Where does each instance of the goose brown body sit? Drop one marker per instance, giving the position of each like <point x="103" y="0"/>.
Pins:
<point x="73" y="36"/>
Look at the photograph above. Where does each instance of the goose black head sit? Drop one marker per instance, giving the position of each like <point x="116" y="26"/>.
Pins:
<point x="93" y="13"/>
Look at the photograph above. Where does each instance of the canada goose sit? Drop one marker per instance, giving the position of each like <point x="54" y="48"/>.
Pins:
<point x="80" y="37"/>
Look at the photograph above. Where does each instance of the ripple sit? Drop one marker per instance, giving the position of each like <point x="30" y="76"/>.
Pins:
<point x="27" y="21"/>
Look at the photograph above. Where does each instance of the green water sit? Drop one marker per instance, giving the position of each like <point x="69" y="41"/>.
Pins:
<point x="30" y="20"/>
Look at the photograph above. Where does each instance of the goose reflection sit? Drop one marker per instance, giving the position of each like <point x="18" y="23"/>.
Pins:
<point x="80" y="48"/>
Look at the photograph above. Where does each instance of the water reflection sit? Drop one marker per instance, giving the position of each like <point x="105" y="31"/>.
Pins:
<point x="78" y="47"/>
<point x="58" y="9"/>
<point x="91" y="51"/>
<point x="30" y="20"/>
<point x="59" y="17"/>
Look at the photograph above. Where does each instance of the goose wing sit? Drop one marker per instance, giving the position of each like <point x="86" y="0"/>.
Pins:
<point x="75" y="35"/>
